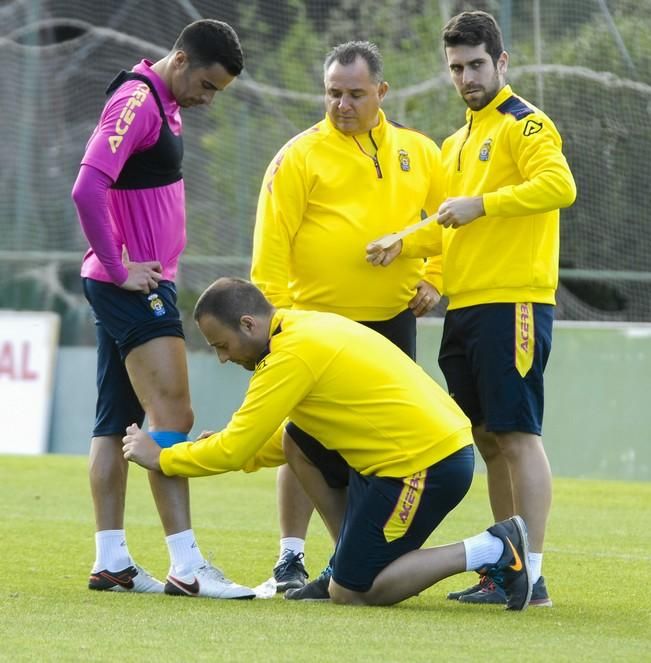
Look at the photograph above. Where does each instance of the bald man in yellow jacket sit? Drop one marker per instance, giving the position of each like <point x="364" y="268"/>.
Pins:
<point x="407" y="443"/>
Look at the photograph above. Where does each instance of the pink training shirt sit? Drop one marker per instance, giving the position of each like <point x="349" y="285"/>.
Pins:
<point x="148" y="223"/>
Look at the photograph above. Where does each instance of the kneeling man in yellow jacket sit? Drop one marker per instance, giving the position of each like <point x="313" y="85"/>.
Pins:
<point x="408" y="445"/>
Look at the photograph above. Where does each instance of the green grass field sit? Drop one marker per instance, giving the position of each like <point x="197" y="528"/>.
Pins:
<point x="597" y="565"/>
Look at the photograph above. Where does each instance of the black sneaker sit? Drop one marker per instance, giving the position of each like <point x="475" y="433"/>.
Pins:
<point x="455" y="596"/>
<point x="511" y="572"/>
<point x="491" y="594"/>
<point x="289" y="572"/>
<point x="317" y="590"/>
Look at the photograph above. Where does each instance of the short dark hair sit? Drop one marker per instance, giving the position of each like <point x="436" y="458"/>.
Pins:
<point x="473" y="29"/>
<point x="208" y="41"/>
<point x="348" y="52"/>
<point x="228" y="299"/>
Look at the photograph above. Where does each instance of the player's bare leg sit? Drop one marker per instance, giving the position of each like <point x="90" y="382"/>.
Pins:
<point x="158" y="372"/>
<point x="519" y="481"/>
<point x="113" y="569"/>
<point x="502" y="548"/>
<point x="498" y="475"/>
<point x="407" y="576"/>
<point x="329" y="502"/>
<point x="294" y="506"/>
<point x="108" y="481"/>
<point x="294" y="512"/>
<point x="531" y="479"/>
<point x="159" y="375"/>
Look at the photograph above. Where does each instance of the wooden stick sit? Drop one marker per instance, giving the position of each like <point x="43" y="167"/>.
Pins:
<point x="390" y="239"/>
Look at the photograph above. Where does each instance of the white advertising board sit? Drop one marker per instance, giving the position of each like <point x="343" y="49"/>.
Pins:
<point x="28" y="345"/>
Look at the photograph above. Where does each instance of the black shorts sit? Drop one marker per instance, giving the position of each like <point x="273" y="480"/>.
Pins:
<point x="123" y="321"/>
<point x="493" y="357"/>
<point x="386" y="518"/>
<point x="401" y="331"/>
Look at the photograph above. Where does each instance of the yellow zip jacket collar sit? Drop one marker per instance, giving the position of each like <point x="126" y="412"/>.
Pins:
<point x="476" y="116"/>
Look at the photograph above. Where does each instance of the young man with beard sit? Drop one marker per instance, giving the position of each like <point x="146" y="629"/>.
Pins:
<point x="498" y="233"/>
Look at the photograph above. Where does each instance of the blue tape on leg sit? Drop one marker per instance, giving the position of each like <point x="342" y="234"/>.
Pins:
<point x="168" y="438"/>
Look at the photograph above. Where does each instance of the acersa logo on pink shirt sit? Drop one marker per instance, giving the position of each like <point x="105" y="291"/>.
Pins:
<point x="127" y="115"/>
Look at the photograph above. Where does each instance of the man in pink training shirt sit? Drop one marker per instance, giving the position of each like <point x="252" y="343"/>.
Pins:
<point x="130" y="200"/>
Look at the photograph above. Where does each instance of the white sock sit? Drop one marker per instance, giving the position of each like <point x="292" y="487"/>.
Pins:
<point x="482" y="550"/>
<point x="111" y="552"/>
<point x="535" y="566"/>
<point x="293" y="544"/>
<point x="185" y="555"/>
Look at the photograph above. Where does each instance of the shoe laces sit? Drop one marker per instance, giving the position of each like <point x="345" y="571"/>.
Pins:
<point x="141" y="571"/>
<point x="211" y="572"/>
<point x="496" y="577"/>
<point x="288" y="560"/>
<point x="486" y="584"/>
<point x="326" y="574"/>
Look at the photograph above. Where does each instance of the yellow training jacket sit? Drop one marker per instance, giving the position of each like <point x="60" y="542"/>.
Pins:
<point x="324" y="197"/>
<point x="510" y="153"/>
<point x="344" y="384"/>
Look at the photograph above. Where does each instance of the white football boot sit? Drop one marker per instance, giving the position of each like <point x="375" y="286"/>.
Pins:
<point x="209" y="581"/>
